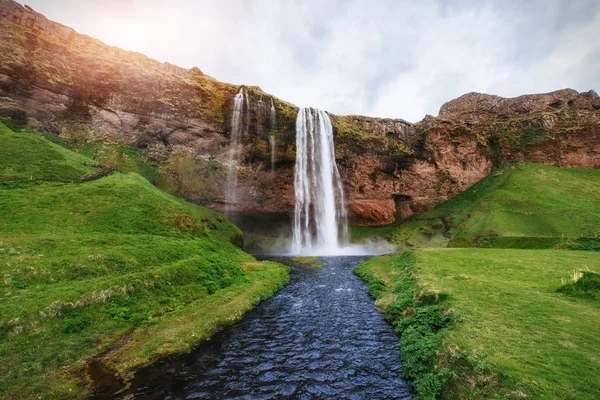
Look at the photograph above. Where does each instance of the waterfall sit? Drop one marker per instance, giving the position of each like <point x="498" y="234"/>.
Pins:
<point x="273" y="121"/>
<point x="246" y="108"/>
<point x="272" y="144"/>
<point x="241" y="106"/>
<point x="320" y="206"/>
<point x="272" y="127"/>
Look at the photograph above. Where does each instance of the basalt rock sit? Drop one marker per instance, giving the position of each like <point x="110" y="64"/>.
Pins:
<point x="77" y="87"/>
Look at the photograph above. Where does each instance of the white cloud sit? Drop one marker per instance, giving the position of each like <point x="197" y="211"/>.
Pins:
<point x="386" y="58"/>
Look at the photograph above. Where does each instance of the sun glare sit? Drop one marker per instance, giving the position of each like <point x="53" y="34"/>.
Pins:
<point x="131" y="35"/>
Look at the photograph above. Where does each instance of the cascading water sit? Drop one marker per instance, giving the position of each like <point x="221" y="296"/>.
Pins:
<point x="320" y="207"/>
<point x="272" y="144"/>
<point x="272" y="126"/>
<point x="273" y="121"/>
<point x="240" y="108"/>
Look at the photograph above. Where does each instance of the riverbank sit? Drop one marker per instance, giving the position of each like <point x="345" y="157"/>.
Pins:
<point x="491" y="323"/>
<point x="107" y="268"/>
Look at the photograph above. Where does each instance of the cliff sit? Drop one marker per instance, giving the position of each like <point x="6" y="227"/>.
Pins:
<point x="74" y="86"/>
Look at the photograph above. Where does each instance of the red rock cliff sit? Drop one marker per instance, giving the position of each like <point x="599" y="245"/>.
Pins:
<point x="76" y="86"/>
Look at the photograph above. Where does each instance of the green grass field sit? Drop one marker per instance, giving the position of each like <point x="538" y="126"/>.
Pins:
<point x="521" y="205"/>
<point x="512" y="335"/>
<point x="87" y="265"/>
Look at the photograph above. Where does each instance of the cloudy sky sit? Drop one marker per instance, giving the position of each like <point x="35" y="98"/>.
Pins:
<point x="386" y="58"/>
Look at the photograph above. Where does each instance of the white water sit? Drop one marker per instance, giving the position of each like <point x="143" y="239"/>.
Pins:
<point x="273" y="121"/>
<point x="272" y="127"/>
<point x="272" y="144"/>
<point x="320" y="221"/>
<point x="240" y="105"/>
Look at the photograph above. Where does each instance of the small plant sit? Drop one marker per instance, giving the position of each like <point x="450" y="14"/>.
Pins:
<point x="583" y="283"/>
<point x="577" y="275"/>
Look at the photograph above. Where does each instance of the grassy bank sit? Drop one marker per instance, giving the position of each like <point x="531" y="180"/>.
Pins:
<point x="492" y="323"/>
<point x="110" y="267"/>
<point x="520" y="205"/>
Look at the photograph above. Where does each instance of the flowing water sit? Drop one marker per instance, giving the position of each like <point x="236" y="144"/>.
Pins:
<point x="273" y="118"/>
<point x="272" y="144"/>
<point x="320" y="337"/>
<point x="320" y="221"/>
<point x="238" y="126"/>
<point x="273" y="127"/>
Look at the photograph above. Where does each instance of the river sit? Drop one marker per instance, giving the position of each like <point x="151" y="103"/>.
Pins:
<point x="320" y="337"/>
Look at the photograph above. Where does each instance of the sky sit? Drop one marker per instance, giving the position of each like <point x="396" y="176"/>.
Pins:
<point x="383" y="58"/>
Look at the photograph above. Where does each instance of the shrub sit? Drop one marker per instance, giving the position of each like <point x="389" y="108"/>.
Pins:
<point x="429" y="317"/>
<point x="587" y="286"/>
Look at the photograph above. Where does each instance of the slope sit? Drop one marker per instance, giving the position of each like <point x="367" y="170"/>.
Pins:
<point x="520" y="205"/>
<point x="89" y="268"/>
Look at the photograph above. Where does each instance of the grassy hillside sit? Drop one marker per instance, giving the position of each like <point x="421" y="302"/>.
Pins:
<point x="524" y="205"/>
<point x="26" y="157"/>
<point x="112" y="267"/>
<point x="492" y="323"/>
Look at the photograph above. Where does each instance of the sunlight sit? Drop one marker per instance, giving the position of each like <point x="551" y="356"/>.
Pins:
<point x="131" y="35"/>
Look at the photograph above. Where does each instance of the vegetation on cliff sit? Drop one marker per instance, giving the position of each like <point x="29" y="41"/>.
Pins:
<point x="106" y="267"/>
<point x="489" y="323"/>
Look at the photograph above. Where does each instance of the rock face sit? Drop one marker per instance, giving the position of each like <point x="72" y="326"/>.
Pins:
<point x="77" y="87"/>
<point x="474" y="107"/>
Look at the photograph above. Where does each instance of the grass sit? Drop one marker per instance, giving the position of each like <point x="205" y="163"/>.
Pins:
<point x="583" y="284"/>
<point x="312" y="262"/>
<point x="521" y="205"/>
<point x="512" y="334"/>
<point x="118" y="203"/>
<point x="419" y="319"/>
<point x="27" y="157"/>
<point x="121" y="158"/>
<point x="112" y="267"/>
<point x="361" y="234"/>
<point x="183" y="176"/>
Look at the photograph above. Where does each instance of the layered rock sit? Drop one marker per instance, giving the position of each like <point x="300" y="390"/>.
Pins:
<point x="76" y="86"/>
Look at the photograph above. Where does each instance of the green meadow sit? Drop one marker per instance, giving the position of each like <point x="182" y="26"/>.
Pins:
<point x="492" y="323"/>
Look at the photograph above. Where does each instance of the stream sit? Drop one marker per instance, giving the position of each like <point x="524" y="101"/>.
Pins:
<point x="320" y="337"/>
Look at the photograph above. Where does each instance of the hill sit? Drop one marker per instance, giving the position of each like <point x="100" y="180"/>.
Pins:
<point x="519" y="205"/>
<point x="110" y="269"/>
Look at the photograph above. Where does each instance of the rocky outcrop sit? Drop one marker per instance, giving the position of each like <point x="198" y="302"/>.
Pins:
<point x="474" y="107"/>
<point x="77" y="87"/>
